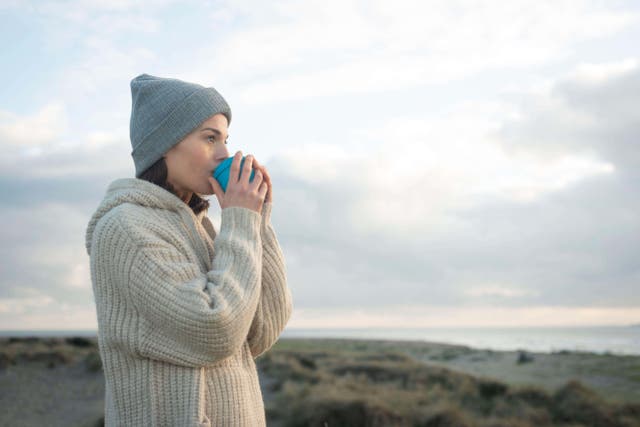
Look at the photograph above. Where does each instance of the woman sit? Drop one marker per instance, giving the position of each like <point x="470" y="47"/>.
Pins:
<point x="183" y="310"/>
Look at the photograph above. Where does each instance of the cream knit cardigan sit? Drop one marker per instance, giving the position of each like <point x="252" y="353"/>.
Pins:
<point x="182" y="310"/>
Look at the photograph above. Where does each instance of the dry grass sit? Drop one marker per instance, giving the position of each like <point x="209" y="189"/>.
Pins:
<point x="354" y="385"/>
<point x="50" y="352"/>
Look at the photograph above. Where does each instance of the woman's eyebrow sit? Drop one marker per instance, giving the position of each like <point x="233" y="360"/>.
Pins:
<point x="216" y="131"/>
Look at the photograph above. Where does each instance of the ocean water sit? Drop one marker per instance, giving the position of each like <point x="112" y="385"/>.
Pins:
<point x="597" y="339"/>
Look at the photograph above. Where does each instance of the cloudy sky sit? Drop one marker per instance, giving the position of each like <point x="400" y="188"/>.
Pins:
<point x="440" y="163"/>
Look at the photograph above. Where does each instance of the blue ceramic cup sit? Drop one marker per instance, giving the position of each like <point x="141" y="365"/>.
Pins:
<point x="221" y="173"/>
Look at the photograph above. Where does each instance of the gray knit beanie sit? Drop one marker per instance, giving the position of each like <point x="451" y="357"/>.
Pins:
<point x="164" y="111"/>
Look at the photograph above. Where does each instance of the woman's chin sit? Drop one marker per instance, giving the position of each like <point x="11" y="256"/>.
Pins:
<point x="205" y="190"/>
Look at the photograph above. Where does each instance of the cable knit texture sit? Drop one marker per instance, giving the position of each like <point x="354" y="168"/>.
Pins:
<point x="183" y="310"/>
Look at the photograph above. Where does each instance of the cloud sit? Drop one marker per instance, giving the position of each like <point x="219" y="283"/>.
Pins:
<point x="102" y="71"/>
<point x="434" y="167"/>
<point x="55" y="315"/>
<point x="499" y="291"/>
<point x="30" y="133"/>
<point x="595" y="74"/>
<point x="450" y="212"/>
<point x="415" y="316"/>
<point x="380" y="47"/>
<point x="40" y="150"/>
<point x="42" y="242"/>
<point x="451" y="206"/>
<point x="517" y="204"/>
<point x="588" y="112"/>
<point x="95" y="47"/>
<point x="32" y="299"/>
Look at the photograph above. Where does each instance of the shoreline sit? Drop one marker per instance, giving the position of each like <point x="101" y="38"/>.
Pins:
<point x="624" y="342"/>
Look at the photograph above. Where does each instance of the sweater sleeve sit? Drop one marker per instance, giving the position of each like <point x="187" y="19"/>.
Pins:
<point x="191" y="318"/>
<point x="275" y="305"/>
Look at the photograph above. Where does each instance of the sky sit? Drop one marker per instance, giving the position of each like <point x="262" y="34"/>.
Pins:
<point x="434" y="163"/>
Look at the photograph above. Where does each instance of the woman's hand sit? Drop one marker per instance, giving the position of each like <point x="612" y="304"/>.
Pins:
<point x="241" y="192"/>
<point x="267" y="179"/>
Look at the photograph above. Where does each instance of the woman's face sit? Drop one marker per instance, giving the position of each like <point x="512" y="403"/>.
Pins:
<point x="192" y="160"/>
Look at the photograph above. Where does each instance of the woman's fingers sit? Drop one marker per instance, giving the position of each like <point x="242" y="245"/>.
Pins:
<point x="263" y="190"/>
<point x="244" y="191"/>
<point x="257" y="179"/>
<point x="267" y="179"/>
<point x="235" y="166"/>
<point x="246" y="169"/>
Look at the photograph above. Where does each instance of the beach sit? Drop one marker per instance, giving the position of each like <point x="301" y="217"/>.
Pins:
<point x="340" y="381"/>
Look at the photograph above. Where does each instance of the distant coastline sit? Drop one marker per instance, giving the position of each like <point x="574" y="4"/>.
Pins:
<point x="89" y="332"/>
<point x="620" y="340"/>
<point x="48" y="332"/>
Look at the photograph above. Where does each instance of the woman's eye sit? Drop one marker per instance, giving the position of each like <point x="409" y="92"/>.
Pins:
<point x="213" y="137"/>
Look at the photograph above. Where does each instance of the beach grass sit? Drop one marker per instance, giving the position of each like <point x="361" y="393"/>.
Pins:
<point x="380" y="382"/>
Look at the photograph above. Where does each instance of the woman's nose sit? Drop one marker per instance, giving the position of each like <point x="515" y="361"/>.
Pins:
<point x="222" y="153"/>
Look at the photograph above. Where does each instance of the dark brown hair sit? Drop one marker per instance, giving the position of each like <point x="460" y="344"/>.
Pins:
<point x="157" y="174"/>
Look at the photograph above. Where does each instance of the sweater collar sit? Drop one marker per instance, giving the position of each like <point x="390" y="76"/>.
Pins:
<point x="145" y="193"/>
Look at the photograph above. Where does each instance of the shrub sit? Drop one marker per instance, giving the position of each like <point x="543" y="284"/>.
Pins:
<point x="79" y="342"/>
<point x="93" y="362"/>
<point x="576" y="403"/>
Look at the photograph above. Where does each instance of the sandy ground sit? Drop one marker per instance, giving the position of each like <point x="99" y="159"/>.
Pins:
<point x="616" y="378"/>
<point x="67" y="395"/>
<point x="32" y="394"/>
<point x="551" y="372"/>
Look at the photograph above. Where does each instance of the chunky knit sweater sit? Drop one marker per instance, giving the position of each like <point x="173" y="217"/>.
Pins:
<point x="182" y="310"/>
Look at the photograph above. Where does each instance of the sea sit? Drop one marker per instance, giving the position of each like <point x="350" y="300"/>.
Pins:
<point x="622" y="340"/>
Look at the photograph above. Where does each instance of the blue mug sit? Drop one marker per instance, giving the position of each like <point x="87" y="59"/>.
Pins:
<point x="221" y="173"/>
